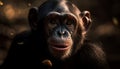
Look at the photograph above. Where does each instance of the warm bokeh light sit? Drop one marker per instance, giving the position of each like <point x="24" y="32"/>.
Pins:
<point x="29" y="4"/>
<point x="9" y="12"/>
<point x="115" y="21"/>
<point x="12" y="12"/>
<point x="106" y="29"/>
<point x="1" y="3"/>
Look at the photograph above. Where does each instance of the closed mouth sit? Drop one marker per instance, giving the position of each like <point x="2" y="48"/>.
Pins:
<point x="60" y="47"/>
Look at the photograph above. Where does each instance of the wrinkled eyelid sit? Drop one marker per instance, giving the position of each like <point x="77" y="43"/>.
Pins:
<point x="53" y="21"/>
<point x="71" y="17"/>
<point x="71" y="21"/>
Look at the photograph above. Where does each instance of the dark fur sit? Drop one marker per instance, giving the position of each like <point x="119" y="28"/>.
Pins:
<point x="29" y="49"/>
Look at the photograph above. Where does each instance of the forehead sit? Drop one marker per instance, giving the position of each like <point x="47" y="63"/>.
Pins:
<point x="61" y="7"/>
<point x="66" y="7"/>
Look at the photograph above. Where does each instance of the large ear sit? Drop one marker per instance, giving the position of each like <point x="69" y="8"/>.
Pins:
<point x="85" y="15"/>
<point x="33" y="18"/>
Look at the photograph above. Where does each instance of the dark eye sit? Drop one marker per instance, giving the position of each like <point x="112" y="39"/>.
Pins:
<point x="53" y="22"/>
<point x="70" y="22"/>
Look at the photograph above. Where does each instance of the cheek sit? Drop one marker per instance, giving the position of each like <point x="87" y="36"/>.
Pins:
<point x="49" y="29"/>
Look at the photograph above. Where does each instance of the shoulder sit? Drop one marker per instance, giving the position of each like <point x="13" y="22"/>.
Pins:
<point x="93" y="55"/>
<point x="93" y="49"/>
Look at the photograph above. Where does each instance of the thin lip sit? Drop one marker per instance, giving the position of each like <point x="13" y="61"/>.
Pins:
<point x="56" y="47"/>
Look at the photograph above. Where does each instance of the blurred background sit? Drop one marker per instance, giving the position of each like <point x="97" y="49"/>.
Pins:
<point x="105" y="27"/>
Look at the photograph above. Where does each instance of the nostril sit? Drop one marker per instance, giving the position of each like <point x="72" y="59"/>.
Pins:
<point x="59" y="33"/>
<point x="62" y="33"/>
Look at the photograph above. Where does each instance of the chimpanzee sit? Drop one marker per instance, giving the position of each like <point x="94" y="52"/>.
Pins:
<point x="57" y="40"/>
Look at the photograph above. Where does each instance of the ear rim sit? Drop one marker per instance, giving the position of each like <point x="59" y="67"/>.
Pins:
<point x="33" y="17"/>
<point x="86" y="18"/>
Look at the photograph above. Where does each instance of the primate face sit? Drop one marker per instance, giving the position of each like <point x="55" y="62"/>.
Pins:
<point x="63" y="24"/>
<point x="60" y="28"/>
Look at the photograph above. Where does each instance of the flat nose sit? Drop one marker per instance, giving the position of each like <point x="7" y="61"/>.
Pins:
<point x="62" y="32"/>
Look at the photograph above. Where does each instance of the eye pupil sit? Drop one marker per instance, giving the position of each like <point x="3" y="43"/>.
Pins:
<point x="69" y="23"/>
<point x="52" y="22"/>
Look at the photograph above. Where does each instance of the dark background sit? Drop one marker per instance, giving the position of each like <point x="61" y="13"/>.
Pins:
<point x="105" y="27"/>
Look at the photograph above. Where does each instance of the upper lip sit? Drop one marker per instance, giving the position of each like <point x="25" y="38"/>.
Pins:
<point x="59" y="46"/>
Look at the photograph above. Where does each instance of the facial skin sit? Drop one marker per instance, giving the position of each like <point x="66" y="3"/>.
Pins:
<point x="59" y="28"/>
